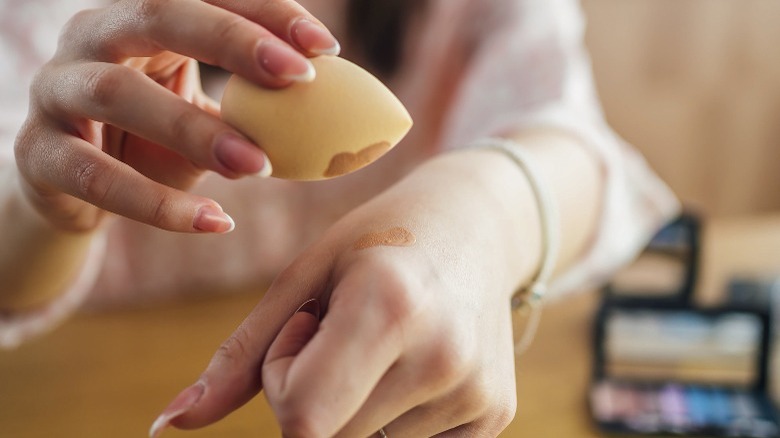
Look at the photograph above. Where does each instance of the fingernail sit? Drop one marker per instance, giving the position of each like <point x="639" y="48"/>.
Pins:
<point x="314" y="38"/>
<point x="284" y="62"/>
<point x="241" y="156"/>
<point x="312" y="307"/>
<point x="181" y="404"/>
<point x="213" y="220"/>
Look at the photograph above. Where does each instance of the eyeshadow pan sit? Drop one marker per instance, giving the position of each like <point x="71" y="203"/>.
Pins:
<point x="671" y="402"/>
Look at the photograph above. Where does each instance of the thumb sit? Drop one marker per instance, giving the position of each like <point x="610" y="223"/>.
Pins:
<point x="298" y="331"/>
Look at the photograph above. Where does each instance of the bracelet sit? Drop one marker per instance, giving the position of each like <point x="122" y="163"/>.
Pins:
<point x="531" y="295"/>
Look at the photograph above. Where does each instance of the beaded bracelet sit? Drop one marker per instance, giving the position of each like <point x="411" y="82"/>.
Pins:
<point x="530" y="296"/>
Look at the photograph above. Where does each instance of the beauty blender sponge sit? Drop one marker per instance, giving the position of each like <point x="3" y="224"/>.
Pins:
<point x="342" y="121"/>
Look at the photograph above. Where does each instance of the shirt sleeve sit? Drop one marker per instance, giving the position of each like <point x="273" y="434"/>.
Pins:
<point x="529" y="69"/>
<point x="16" y="328"/>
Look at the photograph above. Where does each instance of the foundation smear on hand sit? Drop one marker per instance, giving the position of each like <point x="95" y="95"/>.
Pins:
<point x="396" y="236"/>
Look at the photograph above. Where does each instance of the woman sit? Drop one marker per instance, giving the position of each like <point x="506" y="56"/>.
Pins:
<point x="409" y="340"/>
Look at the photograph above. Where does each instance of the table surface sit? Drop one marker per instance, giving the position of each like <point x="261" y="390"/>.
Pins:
<point x="110" y="374"/>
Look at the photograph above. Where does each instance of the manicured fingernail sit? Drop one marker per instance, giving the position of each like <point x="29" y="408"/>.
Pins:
<point x="213" y="220"/>
<point x="240" y="156"/>
<point x="181" y="404"/>
<point x="284" y="62"/>
<point x="314" y="37"/>
<point x="312" y="306"/>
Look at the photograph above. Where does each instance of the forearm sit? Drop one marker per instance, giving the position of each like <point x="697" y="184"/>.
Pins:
<point x="36" y="261"/>
<point x="576" y="180"/>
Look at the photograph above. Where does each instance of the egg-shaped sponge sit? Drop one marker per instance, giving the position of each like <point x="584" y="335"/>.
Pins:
<point x="343" y="120"/>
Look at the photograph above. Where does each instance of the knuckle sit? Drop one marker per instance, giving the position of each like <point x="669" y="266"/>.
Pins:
<point x="225" y="28"/>
<point x="228" y="31"/>
<point x="43" y="89"/>
<point x="397" y="295"/>
<point x="298" y="417"/>
<point x="27" y="153"/>
<point x="234" y="350"/>
<point x="448" y="362"/>
<point x="94" y="180"/>
<point x="40" y="79"/>
<point x="149" y="10"/>
<point x="476" y="400"/>
<point x="161" y="212"/>
<point x="505" y="412"/>
<point x="23" y="146"/>
<point x="299" y="425"/>
<point x="85" y="35"/>
<point x="400" y="307"/>
<point x="74" y="27"/>
<point x="183" y="123"/>
<point x="101" y="84"/>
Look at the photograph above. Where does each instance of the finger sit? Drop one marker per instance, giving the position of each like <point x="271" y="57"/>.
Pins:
<point x="461" y="391"/>
<point x="233" y="376"/>
<point x="328" y="382"/>
<point x="487" y="426"/>
<point x="289" y="20"/>
<point x="473" y="409"/>
<point x="128" y="99"/>
<point x="205" y="102"/>
<point x="398" y="392"/>
<point x="415" y="380"/>
<point x="295" y="334"/>
<point x="192" y="28"/>
<point x="442" y="415"/>
<point x="63" y="163"/>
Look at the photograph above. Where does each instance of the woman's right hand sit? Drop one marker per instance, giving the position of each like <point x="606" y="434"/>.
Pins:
<point x="118" y="122"/>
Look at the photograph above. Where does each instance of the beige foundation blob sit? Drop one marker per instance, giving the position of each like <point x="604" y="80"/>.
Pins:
<point x="346" y="162"/>
<point x="396" y="236"/>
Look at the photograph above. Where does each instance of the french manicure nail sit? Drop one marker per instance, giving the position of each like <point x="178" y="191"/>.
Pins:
<point x="266" y="170"/>
<point x="284" y="62"/>
<point x="311" y="306"/>
<point x="314" y="37"/>
<point x="240" y="156"/>
<point x="181" y="404"/>
<point x="213" y="220"/>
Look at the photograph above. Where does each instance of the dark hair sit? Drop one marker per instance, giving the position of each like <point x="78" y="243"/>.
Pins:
<point x="378" y="27"/>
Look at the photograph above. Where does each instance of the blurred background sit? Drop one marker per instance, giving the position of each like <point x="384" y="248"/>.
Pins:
<point x="695" y="85"/>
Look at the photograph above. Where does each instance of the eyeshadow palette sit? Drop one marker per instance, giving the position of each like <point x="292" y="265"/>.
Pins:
<point x="681" y="409"/>
<point x="671" y="370"/>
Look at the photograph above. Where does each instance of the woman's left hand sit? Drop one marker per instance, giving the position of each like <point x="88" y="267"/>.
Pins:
<point x="416" y="332"/>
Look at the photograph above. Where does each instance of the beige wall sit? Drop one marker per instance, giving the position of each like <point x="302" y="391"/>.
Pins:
<point x="695" y="85"/>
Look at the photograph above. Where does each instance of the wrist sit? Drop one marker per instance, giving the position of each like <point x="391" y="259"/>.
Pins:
<point x="547" y="208"/>
<point x="37" y="259"/>
<point x="495" y="203"/>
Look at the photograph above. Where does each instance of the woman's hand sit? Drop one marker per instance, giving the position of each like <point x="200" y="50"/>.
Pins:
<point x="118" y="121"/>
<point x="416" y="334"/>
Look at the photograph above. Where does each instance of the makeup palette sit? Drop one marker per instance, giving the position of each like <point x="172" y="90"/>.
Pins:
<point x="667" y="370"/>
<point x="681" y="409"/>
<point x="663" y="366"/>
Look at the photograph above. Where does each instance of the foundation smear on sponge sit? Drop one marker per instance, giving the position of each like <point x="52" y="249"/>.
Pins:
<point x="346" y="162"/>
<point x="396" y="236"/>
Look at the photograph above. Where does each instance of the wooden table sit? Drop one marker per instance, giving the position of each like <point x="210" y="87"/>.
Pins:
<point x="109" y="375"/>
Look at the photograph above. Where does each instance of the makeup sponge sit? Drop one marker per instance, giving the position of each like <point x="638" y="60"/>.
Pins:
<point x="343" y="120"/>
